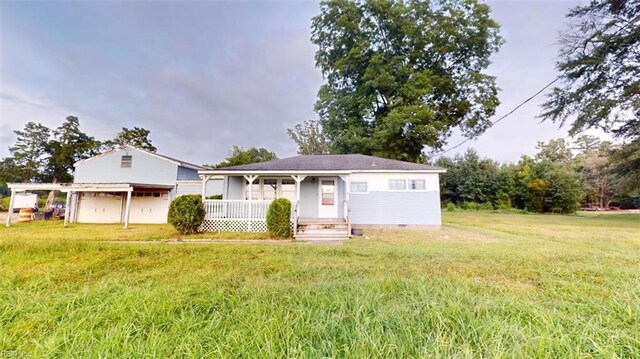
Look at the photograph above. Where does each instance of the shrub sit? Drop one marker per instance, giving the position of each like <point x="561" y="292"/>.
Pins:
<point x="214" y="196"/>
<point x="470" y="206"/>
<point x="186" y="213"/>
<point x="451" y="207"/>
<point x="486" y="205"/>
<point x="278" y="218"/>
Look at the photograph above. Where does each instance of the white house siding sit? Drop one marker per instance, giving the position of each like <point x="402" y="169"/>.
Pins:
<point x="145" y="168"/>
<point x="232" y="187"/>
<point x="213" y="187"/>
<point x="380" y="206"/>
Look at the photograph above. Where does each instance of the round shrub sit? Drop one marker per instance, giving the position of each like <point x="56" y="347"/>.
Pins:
<point x="186" y="213"/>
<point x="278" y="218"/>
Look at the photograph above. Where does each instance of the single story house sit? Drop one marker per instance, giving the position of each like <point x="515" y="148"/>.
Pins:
<point x="126" y="185"/>
<point x="330" y="194"/>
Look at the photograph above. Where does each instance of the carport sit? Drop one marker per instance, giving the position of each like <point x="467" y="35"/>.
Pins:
<point x="76" y="190"/>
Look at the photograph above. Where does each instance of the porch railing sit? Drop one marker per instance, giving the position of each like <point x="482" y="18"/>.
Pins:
<point x="235" y="209"/>
<point x="240" y="215"/>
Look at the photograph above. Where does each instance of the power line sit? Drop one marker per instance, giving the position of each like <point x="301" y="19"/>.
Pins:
<point x="631" y="21"/>
<point x="503" y="117"/>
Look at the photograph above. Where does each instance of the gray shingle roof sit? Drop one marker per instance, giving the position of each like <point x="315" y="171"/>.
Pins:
<point x="352" y="162"/>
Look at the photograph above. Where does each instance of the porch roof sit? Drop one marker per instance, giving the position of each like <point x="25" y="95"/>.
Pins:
<point x="325" y="164"/>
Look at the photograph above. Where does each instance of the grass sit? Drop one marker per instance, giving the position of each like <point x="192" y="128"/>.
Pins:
<point x="487" y="285"/>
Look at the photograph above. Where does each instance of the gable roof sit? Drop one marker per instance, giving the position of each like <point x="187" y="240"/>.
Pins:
<point x="163" y="157"/>
<point x="346" y="163"/>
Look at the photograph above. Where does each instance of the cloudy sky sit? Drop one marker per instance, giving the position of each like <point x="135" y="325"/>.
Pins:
<point x="203" y="76"/>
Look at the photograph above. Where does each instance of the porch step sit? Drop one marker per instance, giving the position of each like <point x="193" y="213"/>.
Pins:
<point x="322" y="228"/>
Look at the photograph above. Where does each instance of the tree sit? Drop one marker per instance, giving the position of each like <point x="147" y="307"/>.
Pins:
<point x="584" y="144"/>
<point x="599" y="69"/>
<point x="238" y="156"/>
<point x="554" y="151"/>
<point x="625" y="165"/>
<point x="30" y="151"/>
<point x="69" y="145"/>
<point x="401" y="75"/>
<point x="137" y="137"/>
<point x="309" y="138"/>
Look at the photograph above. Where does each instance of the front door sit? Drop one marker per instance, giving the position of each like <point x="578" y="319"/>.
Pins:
<point x="328" y="197"/>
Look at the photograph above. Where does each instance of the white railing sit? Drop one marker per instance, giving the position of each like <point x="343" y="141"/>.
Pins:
<point x="235" y="209"/>
<point x="295" y="217"/>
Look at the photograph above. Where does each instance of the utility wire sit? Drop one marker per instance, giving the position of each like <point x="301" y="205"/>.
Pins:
<point x="530" y="98"/>
<point x="503" y="117"/>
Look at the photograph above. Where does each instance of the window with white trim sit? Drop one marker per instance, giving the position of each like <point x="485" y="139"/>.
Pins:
<point x="417" y="185"/>
<point x="358" y="187"/>
<point x="397" y="185"/>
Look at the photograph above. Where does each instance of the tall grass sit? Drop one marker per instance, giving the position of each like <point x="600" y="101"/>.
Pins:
<point x="487" y="285"/>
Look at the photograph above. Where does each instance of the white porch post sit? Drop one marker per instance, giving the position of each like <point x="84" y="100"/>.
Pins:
<point x="205" y="179"/>
<point x="250" y="179"/>
<point x="128" y="207"/>
<point x="67" y="209"/>
<point x="13" y="197"/>
<point x="298" y="179"/>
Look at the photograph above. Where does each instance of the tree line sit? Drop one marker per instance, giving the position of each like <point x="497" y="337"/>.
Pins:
<point x="561" y="178"/>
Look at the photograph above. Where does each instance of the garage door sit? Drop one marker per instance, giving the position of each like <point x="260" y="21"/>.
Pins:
<point x="149" y="207"/>
<point x="100" y="207"/>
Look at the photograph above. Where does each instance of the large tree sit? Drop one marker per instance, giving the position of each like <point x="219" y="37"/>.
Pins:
<point x="137" y="137"/>
<point x="310" y="138"/>
<point x="600" y="69"/>
<point x="401" y="75"/>
<point x="29" y="154"/>
<point x="238" y="156"/>
<point x="69" y="145"/>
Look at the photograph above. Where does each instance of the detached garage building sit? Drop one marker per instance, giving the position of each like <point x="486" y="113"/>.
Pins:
<point x="127" y="185"/>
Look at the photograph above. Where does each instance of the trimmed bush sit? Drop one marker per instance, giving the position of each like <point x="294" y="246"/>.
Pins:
<point x="278" y="218"/>
<point x="186" y="213"/>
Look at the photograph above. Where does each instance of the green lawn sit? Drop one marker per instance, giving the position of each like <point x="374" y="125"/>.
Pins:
<point x="486" y="285"/>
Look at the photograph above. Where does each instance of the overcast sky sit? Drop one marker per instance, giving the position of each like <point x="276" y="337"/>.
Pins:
<point x="203" y="76"/>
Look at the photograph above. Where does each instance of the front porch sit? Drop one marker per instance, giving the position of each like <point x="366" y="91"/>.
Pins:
<point x="319" y="203"/>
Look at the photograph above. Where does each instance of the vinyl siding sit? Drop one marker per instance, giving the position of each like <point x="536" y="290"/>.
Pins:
<point x="187" y="174"/>
<point x="214" y="186"/>
<point x="395" y="208"/>
<point x="145" y="168"/>
<point x="232" y="187"/>
<point x="384" y="207"/>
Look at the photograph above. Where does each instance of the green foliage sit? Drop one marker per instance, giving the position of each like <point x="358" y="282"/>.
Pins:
<point x="402" y="75"/>
<point x="599" y="67"/>
<point x="69" y="145"/>
<point x="186" y="213"/>
<point x="214" y="196"/>
<point x="137" y="137"/>
<point x="279" y="218"/>
<point x="451" y="207"/>
<point x="552" y="182"/>
<point x="309" y="138"/>
<point x="238" y="156"/>
<point x="29" y="154"/>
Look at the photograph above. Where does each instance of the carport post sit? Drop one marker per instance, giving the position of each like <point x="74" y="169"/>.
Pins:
<point x="67" y="209"/>
<point x="13" y="197"/>
<point x="126" y="212"/>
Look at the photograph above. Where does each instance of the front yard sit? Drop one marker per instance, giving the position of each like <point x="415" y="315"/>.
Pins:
<point x="485" y="285"/>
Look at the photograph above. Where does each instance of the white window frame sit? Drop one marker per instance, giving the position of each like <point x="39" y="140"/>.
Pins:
<point x="397" y="189"/>
<point x="366" y="186"/>
<point x="423" y="189"/>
